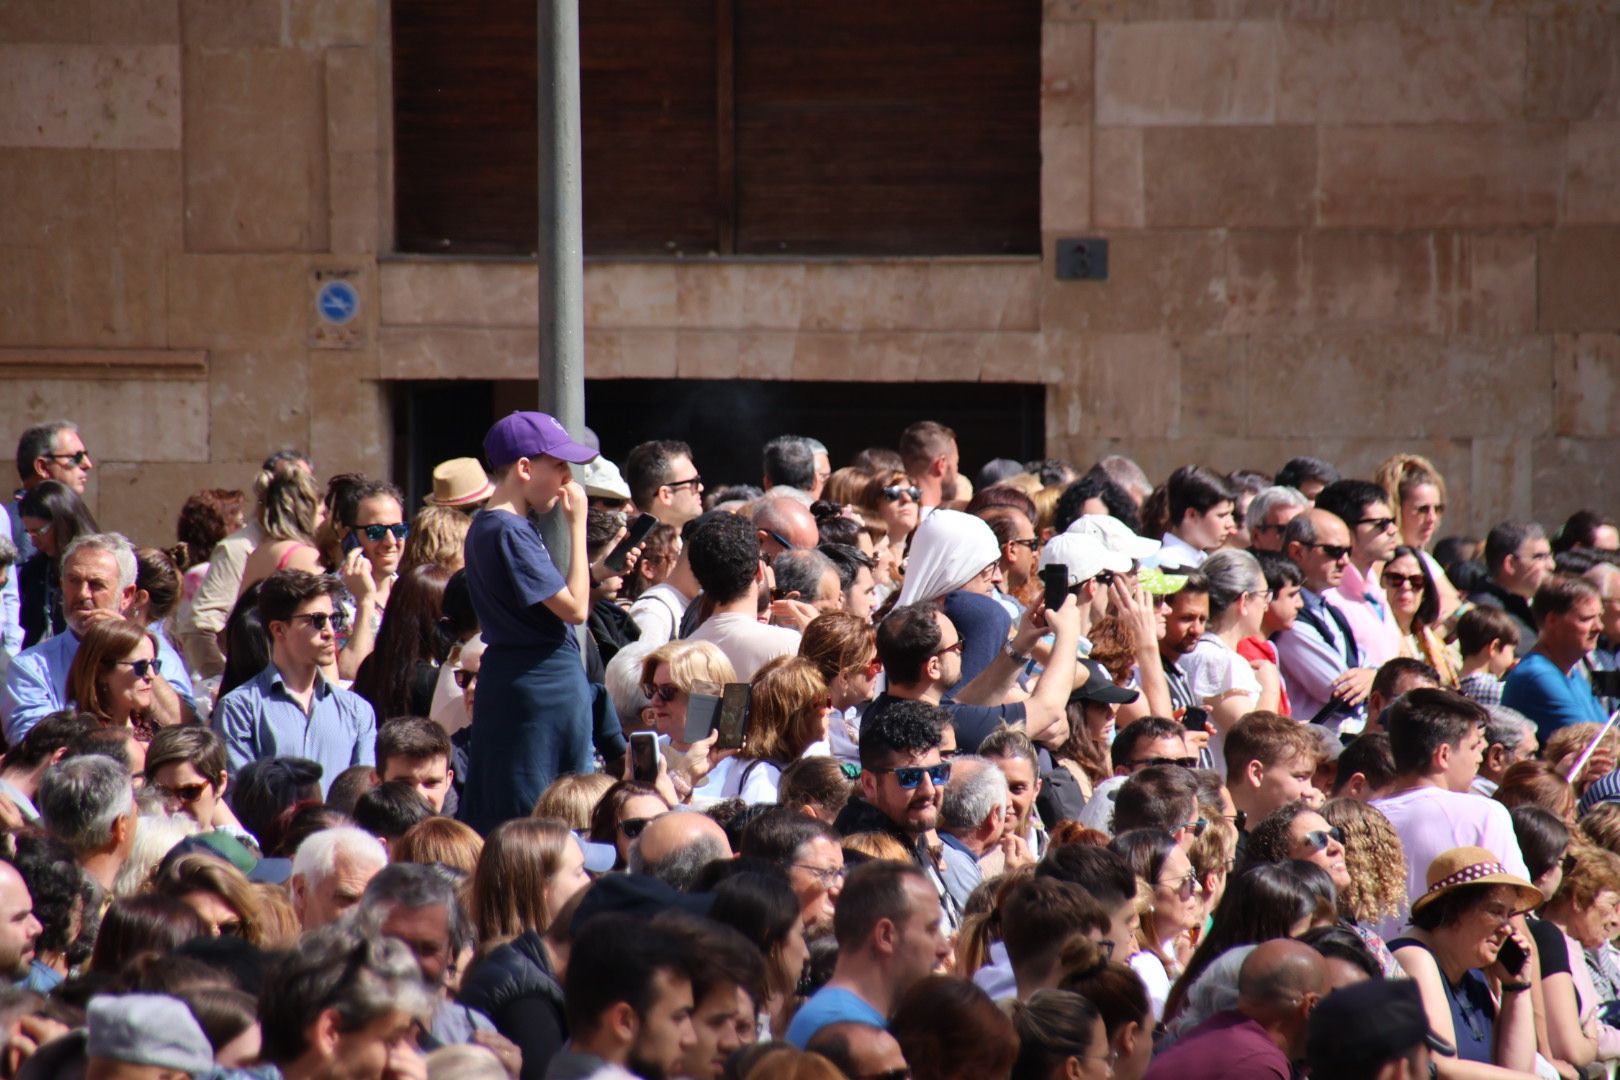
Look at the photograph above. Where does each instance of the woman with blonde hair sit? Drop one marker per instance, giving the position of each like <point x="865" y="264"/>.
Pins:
<point x="1376" y="862"/>
<point x="787" y="719"/>
<point x="439" y="841"/>
<point x="438" y="536"/>
<point x="114" y="673"/>
<point x="218" y="892"/>
<point x="529" y="868"/>
<point x="1417" y="498"/>
<point x="671" y="674"/>
<point x="876" y="845"/>
<point x="290" y="512"/>
<point x="572" y="799"/>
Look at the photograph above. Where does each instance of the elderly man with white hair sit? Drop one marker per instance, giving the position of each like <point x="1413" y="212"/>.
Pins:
<point x="98" y="582"/>
<point x="975" y="824"/>
<point x="330" y="872"/>
<point x="88" y="803"/>
<point x="1510" y="737"/>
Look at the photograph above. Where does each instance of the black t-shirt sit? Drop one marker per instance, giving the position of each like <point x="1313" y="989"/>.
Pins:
<point x="1551" y="948"/>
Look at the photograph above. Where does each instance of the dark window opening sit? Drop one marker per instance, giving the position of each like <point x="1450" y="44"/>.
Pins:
<point x="747" y="127"/>
<point x="726" y="421"/>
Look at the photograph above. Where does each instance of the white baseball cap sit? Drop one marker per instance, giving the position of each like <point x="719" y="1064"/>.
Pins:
<point x="1085" y="556"/>
<point x="1115" y="535"/>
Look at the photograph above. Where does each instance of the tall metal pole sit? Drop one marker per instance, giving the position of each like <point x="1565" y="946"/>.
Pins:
<point x="561" y="244"/>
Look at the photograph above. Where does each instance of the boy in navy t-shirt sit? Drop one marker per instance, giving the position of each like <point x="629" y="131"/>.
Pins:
<point x="533" y="722"/>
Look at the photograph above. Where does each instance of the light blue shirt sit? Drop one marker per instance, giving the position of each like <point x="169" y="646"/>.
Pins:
<point x="831" y="1005"/>
<point x="261" y="719"/>
<point x="36" y="684"/>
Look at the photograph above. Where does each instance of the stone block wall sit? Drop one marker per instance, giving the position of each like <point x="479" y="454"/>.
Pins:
<point x="1342" y="227"/>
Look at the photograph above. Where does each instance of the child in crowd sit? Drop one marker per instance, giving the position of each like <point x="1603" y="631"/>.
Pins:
<point x="1489" y="642"/>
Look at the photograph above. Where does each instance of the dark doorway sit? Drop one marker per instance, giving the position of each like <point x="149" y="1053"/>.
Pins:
<point x="726" y="421"/>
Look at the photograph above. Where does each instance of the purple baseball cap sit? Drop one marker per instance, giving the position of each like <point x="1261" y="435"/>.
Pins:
<point x="528" y="435"/>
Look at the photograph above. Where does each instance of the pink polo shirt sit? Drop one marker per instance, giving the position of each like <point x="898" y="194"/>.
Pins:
<point x="1375" y="628"/>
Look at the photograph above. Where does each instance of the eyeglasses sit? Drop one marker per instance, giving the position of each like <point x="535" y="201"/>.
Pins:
<point x="319" y="619"/>
<point x="826" y="876"/>
<point x="39" y="530"/>
<point x="1185" y="888"/>
<point x="1410" y="581"/>
<point x="694" y="482"/>
<point x="465" y="678"/>
<point x="186" y="793"/>
<point x="665" y="692"/>
<point x="910" y="776"/>
<point x="955" y="646"/>
<point x="1031" y="542"/>
<point x="894" y="491"/>
<point x="376" y="533"/>
<point x="632" y="827"/>
<point x="780" y="539"/>
<point x="1318" y="838"/>
<point x="1536" y="556"/>
<point x="1196" y="827"/>
<point x="1333" y="551"/>
<point x="1380" y="525"/>
<point x="1267" y="528"/>
<point x="1184" y="762"/>
<point x="1263" y="595"/>
<point x="142" y="668"/>
<point x="78" y="459"/>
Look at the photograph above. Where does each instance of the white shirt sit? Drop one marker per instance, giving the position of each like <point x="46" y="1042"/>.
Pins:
<point x="1174" y="551"/>
<point x="657" y="613"/>
<point x="748" y="643"/>
<point x="1214" y="669"/>
<point x="1430" y="821"/>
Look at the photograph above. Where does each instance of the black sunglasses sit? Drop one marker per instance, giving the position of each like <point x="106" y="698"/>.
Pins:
<point x="1184" y="762"/>
<point x="375" y="533"/>
<point x="910" y="776"/>
<point x="141" y="668"/>
<point x="693" y="482"/>
<point x="186" y="793"/>
<point x="665" y="692"/>
<point x="1332" y="551"/>
<point x="319" y="619"/>
<point x="633" y="827"/>
<point x="78" y="459"/>
<point x="1032" y="543"/>
<point x="894" y="491"/>
<point x="465" y="678"/>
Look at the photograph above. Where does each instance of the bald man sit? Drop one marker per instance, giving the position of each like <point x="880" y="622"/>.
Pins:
<point x="784" y="524"/>
<point x="1279" y="985"/>
<point x="675" y="847"/>
<point x="1321" y="662"/>
<point x="19" y="929"/>
<point x="859" y="1050"/>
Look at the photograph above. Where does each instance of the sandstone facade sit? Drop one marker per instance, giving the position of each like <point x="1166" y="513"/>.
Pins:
<point x="1342" y="227"/>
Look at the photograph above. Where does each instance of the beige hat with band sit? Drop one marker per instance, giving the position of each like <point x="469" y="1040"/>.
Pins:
<point x="459" y="482"/>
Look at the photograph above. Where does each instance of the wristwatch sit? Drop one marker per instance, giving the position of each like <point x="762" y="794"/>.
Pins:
<point x="1011" y="652"/>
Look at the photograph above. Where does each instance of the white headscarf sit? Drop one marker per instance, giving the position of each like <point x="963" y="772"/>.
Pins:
<point x="948" y="550"/>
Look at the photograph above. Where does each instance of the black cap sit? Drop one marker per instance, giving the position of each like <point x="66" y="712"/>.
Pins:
<point x="636" y="894"/>
<point x="1355" y="1030"/>
<point x="1100" y="687"/>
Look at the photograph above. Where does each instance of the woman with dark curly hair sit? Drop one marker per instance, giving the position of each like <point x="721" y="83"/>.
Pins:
<point x="62" y="894"/>
<point x="1298" y="832"/>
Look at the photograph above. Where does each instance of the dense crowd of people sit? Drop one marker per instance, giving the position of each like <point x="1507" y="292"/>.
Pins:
<point x="870" y="772"/>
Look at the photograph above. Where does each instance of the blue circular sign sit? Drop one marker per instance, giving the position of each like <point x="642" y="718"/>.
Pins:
<point x="338" y="302"/>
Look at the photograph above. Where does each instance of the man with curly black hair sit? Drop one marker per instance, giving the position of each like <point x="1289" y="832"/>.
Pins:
<point x="63" y="905"/>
